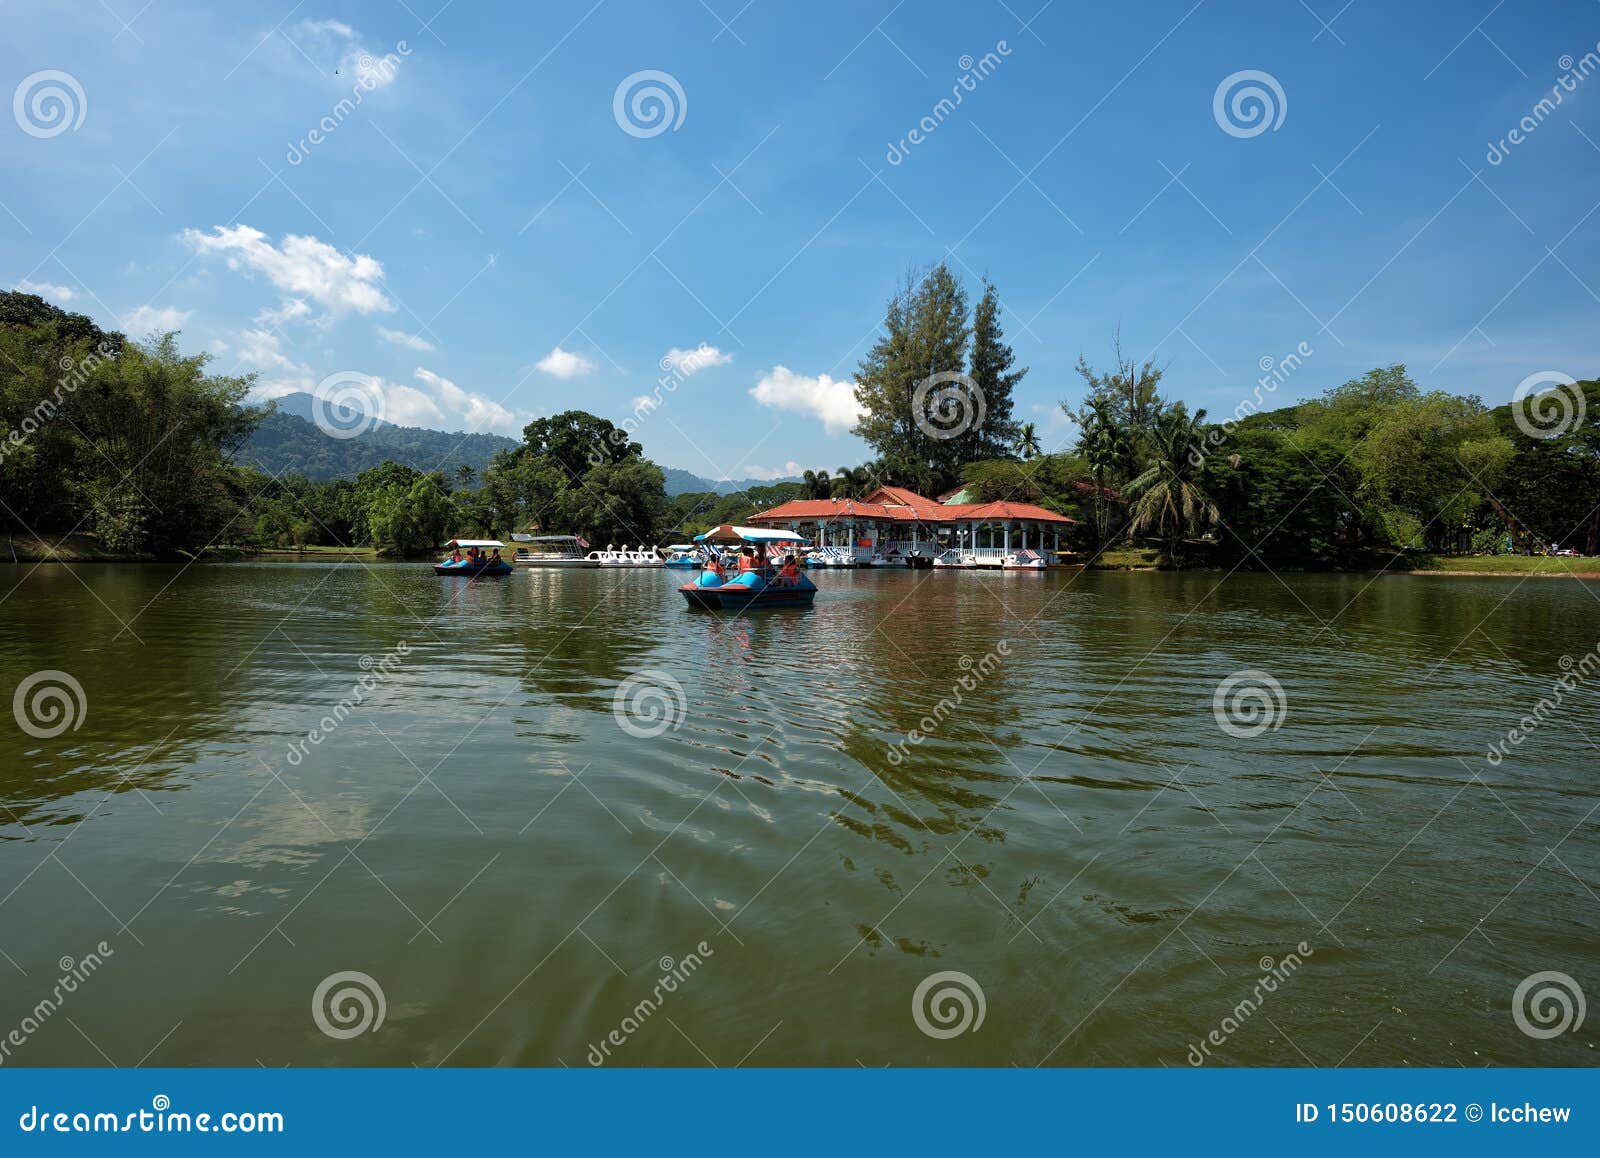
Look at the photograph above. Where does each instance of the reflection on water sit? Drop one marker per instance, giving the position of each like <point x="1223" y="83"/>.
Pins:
<point x="1017" y="777"/>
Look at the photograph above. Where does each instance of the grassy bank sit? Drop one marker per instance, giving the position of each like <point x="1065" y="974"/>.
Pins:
<point x="78" y="548"/>
<point x="1553" y="566"/>
<point x="1124" y="559"/>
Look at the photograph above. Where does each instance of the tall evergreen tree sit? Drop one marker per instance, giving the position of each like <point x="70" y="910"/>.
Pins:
<point x="925" y="333"/>
<point x="990" y="365"/>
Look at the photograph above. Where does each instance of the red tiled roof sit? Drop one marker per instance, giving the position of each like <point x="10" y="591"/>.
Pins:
<point x="900" y="497"/>
<point x="828" y="509"/>
<point x="905" y="507"/>
<point x="982" y="512"/>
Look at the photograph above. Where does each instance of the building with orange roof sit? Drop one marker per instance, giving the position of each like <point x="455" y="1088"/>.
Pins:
<point x="895" y="526"/>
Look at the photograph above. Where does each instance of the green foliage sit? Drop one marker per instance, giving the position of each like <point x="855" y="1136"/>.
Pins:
<point x="691" y="513"/>
<point x="127" y="440"/>
<point x="1167" y="497"/>
<point x="406" y="518"/>
<point x="926" y="332"/>
<point x="286" y="443"/>
<point x="990" y="363"/>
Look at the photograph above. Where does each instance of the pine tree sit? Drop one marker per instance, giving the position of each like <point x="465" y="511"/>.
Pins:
<point x="990" y="366"/>
<point x="925" y="334"/>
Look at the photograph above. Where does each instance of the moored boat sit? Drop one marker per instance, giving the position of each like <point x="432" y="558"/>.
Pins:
<point x="760" y="585"/>
<point x="1024" y="560"/>
<point x="552" y="551"/>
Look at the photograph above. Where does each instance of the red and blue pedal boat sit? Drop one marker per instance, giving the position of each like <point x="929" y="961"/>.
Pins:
<point x="769" y="582"/>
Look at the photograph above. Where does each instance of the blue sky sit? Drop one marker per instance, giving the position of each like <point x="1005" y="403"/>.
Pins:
<point x="483" y="237"/>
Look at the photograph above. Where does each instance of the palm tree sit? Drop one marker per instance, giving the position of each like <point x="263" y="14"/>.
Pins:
<point x="818" y="484"/>
<point x="1167" y="501"/>
<point x="854" y="482"/>
<point x="464" y="476"/>
<point x="1027" y="443"/>
<point x="1104" y="442"/>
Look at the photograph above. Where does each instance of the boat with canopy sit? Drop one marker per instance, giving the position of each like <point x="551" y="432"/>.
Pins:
<point x="552" y="551"/>
<point x="760" y="581"/>
<point x="473" y="557"/>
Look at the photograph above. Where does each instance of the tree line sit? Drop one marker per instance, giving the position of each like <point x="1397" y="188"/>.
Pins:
<point x="139" y="445"/>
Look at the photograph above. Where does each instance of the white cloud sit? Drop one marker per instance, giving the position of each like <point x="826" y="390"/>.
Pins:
<point x="301" y="267"/>
<point x="688" y="362"/>
<point x="832" y="401"/>
<point x="470" y="411"/>
<point x="407" y="406"/>
<point x="154" y="319"/>
<point x="44" y="289"/>
<point x="409" y="341"/>
<point x="262" y="348"/>
<point x="292" y="310"/>
<point x="278" y="387"/>
<point x="559" y="363"/>
<point x="337" y="46"/>
<point x="787" y="470"/>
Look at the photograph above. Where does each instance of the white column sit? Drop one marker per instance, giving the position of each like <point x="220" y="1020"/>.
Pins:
<point x="1007" y="543"/>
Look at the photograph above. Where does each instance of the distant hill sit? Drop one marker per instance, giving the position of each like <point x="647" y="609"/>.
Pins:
<point x="289" y="441"/>
<point x="682" y="482"/>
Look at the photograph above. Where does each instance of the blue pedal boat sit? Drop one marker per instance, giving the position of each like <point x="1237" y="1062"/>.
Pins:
<point x="764" y="586"/>
<point x="476" y="561"/>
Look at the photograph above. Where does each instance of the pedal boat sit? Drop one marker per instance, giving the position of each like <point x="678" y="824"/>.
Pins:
<point x="480" y="566"/>
<point x="746" y="590"/>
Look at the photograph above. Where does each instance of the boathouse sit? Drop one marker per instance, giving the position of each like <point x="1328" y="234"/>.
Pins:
<point x="894" y="524"/>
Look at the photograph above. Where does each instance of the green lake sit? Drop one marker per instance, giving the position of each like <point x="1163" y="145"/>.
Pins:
<point x="746" y="859"/>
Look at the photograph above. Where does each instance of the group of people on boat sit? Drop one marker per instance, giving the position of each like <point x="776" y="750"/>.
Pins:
<point x="749" y="560"/>
<point x="475" y="557"/>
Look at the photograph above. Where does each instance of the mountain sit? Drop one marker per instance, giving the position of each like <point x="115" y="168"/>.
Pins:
<point x="289" y="441"/>
<point x="682" y="482"/>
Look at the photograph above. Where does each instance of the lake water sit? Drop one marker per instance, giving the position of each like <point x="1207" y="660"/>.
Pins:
<point x="531" y="877"/>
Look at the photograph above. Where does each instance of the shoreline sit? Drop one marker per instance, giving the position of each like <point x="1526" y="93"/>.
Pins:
<point x="30" y="551"/>
<point x="329" y="555"/>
